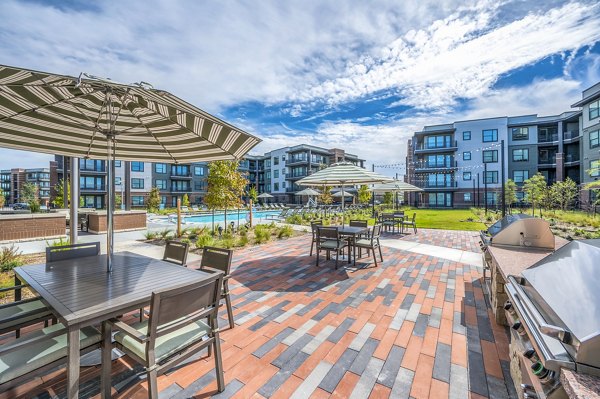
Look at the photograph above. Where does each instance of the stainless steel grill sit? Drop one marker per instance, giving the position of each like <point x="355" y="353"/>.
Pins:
<point x="556" y="308"/>
<point x="519" y="230"/>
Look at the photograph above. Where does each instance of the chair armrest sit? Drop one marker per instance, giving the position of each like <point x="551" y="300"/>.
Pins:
<point x="21" y="342"/>
<point x="127" y="329"/>
<point x="14" y="288"/>
<point x="209" y="269"/>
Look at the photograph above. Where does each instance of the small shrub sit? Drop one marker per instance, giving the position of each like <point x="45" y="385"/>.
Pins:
<point x="59" y="243"/>
<point x="166" y="234"/>
<point x="205" y="240"/>
<point x="150" y="235"/>
<point x="186" y="240"/>
<point x="228" y="243"/>
<point x="262" y="234"/>
<point x="285" y="232"/>
<point x="10" y="257"/>
<point x="242" y="241"/>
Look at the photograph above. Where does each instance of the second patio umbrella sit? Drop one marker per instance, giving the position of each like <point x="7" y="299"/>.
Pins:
<point x="94" y="118"/>
<point x="342" y="174"/>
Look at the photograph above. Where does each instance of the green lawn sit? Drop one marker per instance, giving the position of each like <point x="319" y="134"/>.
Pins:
<point x="447" y="219"/>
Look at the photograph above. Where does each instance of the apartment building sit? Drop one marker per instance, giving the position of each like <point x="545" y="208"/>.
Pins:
<point x="12" y="181"/>
<point x="460" y="164"/>
<point x="589" y="121"/>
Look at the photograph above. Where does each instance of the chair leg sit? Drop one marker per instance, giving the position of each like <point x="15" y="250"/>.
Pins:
<point x="219" y="364"/>
<point x="380" y="254"/>
<point x="337" y="255"/>
<point x="312" y="244"/>
<point x="141" y="314"/>
<point x="415" y="228"/>
<point x="317" y="253"/>
<point x="228" y="303"/>
<point x="152" y="384"/>
<point x="375" y="257"/>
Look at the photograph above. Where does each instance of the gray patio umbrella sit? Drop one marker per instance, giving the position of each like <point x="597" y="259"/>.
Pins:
<point x="342" y="194"/>
<point x="95" y="118"/>
<point x="342" y="174"/>
<point x="395" y="186"/>
<point x="265" y="196"/>
<point x="309" y="192"/>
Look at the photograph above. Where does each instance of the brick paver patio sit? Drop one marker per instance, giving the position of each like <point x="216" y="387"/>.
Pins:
<point x="417" y="326"/>
<point x="463" y="240"/>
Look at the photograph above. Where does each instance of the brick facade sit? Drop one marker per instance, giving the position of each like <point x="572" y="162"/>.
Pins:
<point x="30" y="226"/>
<point x="123" y="221"/>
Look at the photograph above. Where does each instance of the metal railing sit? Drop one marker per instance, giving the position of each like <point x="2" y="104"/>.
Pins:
<point x="568" y="135"/>
<point x="423" y="146"/>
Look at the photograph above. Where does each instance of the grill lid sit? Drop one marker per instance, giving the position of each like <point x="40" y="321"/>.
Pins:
<point x="565" y="288"/>
<point x="521" y="230"/>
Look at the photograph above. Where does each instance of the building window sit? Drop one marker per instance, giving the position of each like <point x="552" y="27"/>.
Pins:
<point x="438" y="142"/>
<point x="490" y="198"/>
<point x="595" y="168"/>
<point x="180" y="185"/>
<point x="520" y="155"/>
<point x="267" y="163"/>
<point x="490" y="135"/>
<point x="467" y="156"/>
<point x="200" y="186"/>
<point x="137" y="183"/>
<point x="595" y="139"/>
<point x="594" y="109"/>
<point x="117" y="181"/>
<point x="160" y="167"/>
<point x="283" y="185"/>
<point x="440" y="200"/>
<point x="275" y="160"/>
<point x="283" y="158"/>
<point x="161" y="184"/>
<point x="275" y="186"/>
<point x="137" y="200"/>
<point x="276" y="174"/>
<point x="520" y="196"/>
<point x="520" y="133"/>
<point x="180" y="170"/>
<point x="198" y="171"/>
<point x="490" y="156"/>
<point x="490" y="177"/>
<point x="467" y="197"/>
<point x="466" y="175"/>
<point x="163" y="200"/>
<point x="137" y="166"/>
<point x="519" y="176"/>
<point x="467" y="135"/>
<point x="117" y="164"/>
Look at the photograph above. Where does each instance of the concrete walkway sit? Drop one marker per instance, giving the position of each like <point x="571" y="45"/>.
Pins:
<point x="457" y="255"/>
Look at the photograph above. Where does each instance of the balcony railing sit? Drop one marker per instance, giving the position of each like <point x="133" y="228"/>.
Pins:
<point x="424" y="147"/>
<point x="549" y="138"/>
<point x="547" y="161"/>
<point x="571" y="157"/>
<point x="441" y="185"/>
<point x="436" y="165"/>
<point x="295" y="175"/>
<point x="175" y="189"/>
<point x="99" y="187"/>
<point x="569" y="135"/>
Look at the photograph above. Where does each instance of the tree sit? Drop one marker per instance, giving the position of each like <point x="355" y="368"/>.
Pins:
<point x="534" y="189"/>
<point x="118" y="200"/>
<point x="388" y="198"/>
<point x="225" y="185"/>
<point x="185" y="201"/>
<point x="153" y="202"/>
<point x="2" y="199"/>
<point x="510" y="193"/>
<point x="326" y="196"/>
<point x="364" y="195"/>
<point x="30" y="195"/>
<point x="59" y="201"/>
<point x="564" y="193"/>
<point x="253" y="194"/>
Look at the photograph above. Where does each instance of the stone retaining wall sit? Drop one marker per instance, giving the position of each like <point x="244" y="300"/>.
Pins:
<point x="31" y="226"/>
<point x="123" y="221"/>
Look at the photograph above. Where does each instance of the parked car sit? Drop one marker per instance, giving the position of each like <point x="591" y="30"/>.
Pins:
<point x="20" y="205"/>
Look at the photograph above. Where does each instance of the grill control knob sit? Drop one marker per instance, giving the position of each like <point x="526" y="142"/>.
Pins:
<point x="531" y="355"/>
<point x="546" y="376"/>
<point x="508" y="306"/>
<point x="518" y="327"/>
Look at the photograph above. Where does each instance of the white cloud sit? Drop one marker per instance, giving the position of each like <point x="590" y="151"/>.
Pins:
<point x="461" y="56"/>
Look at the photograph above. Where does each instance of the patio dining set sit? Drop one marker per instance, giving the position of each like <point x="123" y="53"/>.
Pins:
<point x="81" y="306"/>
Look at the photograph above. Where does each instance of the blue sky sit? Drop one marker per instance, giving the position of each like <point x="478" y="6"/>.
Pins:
<point x="357" y="75"/>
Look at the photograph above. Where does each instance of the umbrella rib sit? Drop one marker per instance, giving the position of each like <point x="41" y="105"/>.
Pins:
<point x="95" y="129"/>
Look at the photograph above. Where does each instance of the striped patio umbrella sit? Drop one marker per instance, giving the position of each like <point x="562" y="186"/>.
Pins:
<point x="343" y="174"/>
<point x="91" y="117"/>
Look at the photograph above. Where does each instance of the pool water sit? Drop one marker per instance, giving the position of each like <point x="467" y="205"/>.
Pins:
<point x="231" y="216"/>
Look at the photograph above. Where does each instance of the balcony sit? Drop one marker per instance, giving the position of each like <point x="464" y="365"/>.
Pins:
<point x="571" y="159"/>
<point x="548" y="139"/>
<point x="296" y="161"/>
<point x="295" y="176"/>
<point x="431" y="166"/>
<point x="181" y="176"/>
<point x="547" y="162"/>
<point x="571" y="136"/>
<point x="93" y="189"/>
<point x="175" y="189"/>
<point x="440" y="187"/>
<point x="421" y="149"/>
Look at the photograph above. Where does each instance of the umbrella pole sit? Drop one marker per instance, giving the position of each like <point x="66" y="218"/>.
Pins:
<point x="343" y="200"/>
<point x="110" y="201"/>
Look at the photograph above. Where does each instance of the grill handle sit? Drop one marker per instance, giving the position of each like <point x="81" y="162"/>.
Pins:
<point x="550" y="330"/>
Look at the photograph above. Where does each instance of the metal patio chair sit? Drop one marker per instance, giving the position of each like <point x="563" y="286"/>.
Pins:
<point x="371" y="243"/>
<point x="220" y="259"/>
<point x="328" y="239"/>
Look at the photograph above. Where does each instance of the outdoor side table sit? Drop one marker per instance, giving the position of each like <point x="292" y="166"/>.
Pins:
<point x="81" y="293"/>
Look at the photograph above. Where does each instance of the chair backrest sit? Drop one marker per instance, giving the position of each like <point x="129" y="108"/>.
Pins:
<point x="328" y="233"/>
<point x="358" y="223"/>
<point x="375" y="233"/>
<point x="63" y="252"/>
<point x="187" y="303"/>
<point x="314" y="226"/>
<point x="176" y="252"/>
<point x="217" y="258"/>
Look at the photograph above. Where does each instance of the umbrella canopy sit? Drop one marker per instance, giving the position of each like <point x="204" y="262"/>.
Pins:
<point x="394" y="186"/>
<point x="308" y="191"/>
<point x="91" y="117"/>
<point x="341" y="174"/>
<point x="342" y="194"/>
<point x="265" y="195"/>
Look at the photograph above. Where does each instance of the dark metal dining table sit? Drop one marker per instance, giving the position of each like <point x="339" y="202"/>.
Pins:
<point x="352" y="232"/>
<point x="82" y="293"/>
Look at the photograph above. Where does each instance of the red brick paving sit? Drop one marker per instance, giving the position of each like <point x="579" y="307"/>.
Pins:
<point x="339" y="306"/>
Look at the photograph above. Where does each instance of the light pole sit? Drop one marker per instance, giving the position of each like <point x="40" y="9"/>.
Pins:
<point x="485" y="183"/>
<point x="503" y="178"/>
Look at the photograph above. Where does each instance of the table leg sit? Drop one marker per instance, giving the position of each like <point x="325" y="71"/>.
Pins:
<point x="73" y="363"/>
<point x="105" y="385"/>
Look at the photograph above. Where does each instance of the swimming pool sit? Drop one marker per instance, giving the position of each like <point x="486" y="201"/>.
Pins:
<point x="231" y="216"/>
